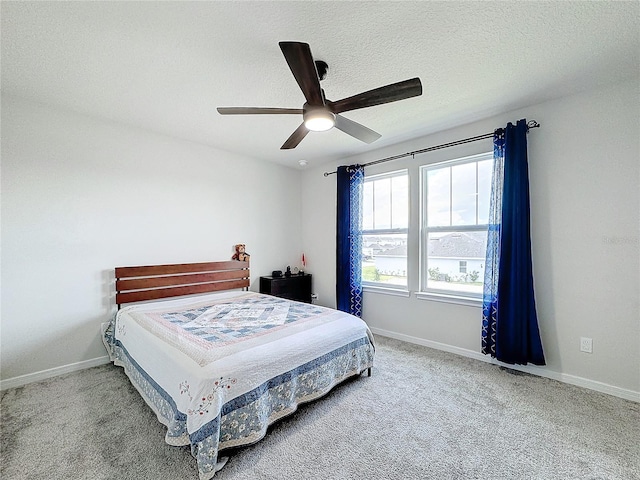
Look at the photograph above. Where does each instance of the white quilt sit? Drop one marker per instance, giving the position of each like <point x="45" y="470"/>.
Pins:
<point x="202" y="352"/>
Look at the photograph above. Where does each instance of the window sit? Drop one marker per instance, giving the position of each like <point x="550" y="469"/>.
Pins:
<point x="385" y="222"/>
<point x="455" y="198"/>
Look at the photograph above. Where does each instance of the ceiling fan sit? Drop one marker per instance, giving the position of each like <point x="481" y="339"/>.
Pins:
<point x="318" y="112"/>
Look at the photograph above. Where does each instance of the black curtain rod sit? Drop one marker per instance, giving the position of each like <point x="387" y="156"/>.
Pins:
<point x="531" y="124"/>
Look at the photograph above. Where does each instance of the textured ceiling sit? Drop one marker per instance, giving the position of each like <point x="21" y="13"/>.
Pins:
<point x="166" y="66"/>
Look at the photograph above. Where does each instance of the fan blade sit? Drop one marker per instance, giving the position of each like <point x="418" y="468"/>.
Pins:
<point x="303" y="67"/>
<point x="356" y="130"/>
<point x="257" y="110"/>
<point x="378" y="96"/>
<point x="295" y="138"/>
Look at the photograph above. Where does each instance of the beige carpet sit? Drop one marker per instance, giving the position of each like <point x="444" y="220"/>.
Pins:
<point x="424" y="414"/>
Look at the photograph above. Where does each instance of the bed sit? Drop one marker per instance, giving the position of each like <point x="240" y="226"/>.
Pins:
<point x="217" y="363"/>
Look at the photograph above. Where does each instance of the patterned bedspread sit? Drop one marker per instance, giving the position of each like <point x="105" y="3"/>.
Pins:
<point x="212" y="329"/>
<point x="220" y="368"/>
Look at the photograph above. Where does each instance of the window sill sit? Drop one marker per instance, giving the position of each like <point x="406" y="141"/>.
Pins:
<point x="447" y="298"/>
<point x="396" y="292"/>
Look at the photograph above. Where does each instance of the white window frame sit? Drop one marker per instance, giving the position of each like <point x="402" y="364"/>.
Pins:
<point x="382" y="287"/>
<point x="450" y="296"/>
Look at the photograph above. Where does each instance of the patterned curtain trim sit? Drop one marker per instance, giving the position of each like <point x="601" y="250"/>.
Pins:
<point x="356" y="181"/>
<point x="490" y="294"/>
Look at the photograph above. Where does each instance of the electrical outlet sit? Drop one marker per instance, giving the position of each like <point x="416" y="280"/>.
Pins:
<point x="586" y="344"/>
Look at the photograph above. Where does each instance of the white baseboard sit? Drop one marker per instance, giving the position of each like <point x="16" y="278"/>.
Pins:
<point x="534" y="370"/>
<point x="51" y="372"/>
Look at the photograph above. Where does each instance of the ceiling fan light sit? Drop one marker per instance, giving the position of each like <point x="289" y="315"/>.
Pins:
<point x="319" y="120"/>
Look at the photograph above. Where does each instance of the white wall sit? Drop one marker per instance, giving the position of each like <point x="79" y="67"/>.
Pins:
<point x="81" y="196"/>
<point x="584" y="165"/>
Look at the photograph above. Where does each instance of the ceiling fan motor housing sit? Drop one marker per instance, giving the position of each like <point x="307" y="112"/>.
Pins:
<point x="321" y="68"/>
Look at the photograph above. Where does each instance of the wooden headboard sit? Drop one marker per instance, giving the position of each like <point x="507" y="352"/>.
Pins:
<point x="135" y="284"/>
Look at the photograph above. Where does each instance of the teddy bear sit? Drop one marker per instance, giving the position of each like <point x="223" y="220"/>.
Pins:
<point x="240" y="254"/>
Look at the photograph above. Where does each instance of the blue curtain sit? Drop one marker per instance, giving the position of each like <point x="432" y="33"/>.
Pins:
<point x="349" y="240"/>
<point x="509" y="321"/>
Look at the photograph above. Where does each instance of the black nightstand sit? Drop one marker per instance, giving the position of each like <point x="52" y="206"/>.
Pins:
<point x="295" y="287"/>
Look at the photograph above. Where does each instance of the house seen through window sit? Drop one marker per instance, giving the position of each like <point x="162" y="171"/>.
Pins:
<point x="455" y="214"/>
<point x="454" y="198"/>
<point x="385" y="222"/>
